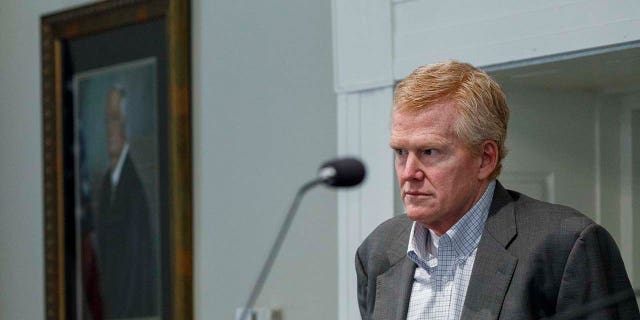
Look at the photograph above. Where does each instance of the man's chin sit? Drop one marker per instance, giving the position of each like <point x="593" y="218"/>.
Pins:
<point x="420" y="216"/>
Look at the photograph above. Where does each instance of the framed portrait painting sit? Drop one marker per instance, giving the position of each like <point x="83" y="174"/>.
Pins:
<point x="117" y="161"/>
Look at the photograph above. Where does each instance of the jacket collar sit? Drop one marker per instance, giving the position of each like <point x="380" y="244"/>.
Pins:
<point x="393" y="287"/>
<point x="494" y="265"/>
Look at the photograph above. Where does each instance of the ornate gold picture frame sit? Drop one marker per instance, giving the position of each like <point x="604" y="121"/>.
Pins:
<point x="116" y="97"/>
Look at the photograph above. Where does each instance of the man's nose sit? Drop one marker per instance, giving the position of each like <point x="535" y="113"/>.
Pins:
<point x="413" y="168"/>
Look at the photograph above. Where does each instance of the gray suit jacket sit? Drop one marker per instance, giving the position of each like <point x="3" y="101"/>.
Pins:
<point x="534" y="259"/>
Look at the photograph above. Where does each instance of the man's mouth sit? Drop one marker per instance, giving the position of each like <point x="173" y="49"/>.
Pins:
<point x="416" y="194"/>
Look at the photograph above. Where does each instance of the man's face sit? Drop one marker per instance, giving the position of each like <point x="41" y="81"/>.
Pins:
<point x="438" y="175"/>
<point x="115" y="127"/>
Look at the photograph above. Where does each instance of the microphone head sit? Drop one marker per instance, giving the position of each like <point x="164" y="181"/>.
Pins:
<point x="342" y="172"/>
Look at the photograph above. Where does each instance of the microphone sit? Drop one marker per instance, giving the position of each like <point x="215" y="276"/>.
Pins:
<point x="344" y="172"/>
<point x="341" y="172"/>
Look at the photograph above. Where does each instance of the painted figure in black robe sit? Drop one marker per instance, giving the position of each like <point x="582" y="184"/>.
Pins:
<point x="128" y="270"/>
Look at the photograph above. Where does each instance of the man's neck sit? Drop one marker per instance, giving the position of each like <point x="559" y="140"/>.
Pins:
<point x="442" y="227"/>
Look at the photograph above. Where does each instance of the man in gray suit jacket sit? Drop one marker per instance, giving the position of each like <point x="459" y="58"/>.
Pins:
<point x="467" y="248"/>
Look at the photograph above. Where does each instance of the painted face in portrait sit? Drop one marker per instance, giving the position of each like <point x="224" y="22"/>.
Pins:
<point x="116" y="136"/>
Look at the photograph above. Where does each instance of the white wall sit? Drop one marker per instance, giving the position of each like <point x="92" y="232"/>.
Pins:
<point x="538" y="118"/>
<point x="493" y="31"/>
<point x="630" y="181"/>
<point x="21" y="205"/>
<point x="609" y="116"/>
<point x="264" y="116"/>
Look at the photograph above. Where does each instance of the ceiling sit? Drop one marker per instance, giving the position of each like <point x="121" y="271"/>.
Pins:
<point x="613" y="70"/>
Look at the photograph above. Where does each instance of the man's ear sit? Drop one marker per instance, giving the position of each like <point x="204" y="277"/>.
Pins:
<point x="489" y="155"/>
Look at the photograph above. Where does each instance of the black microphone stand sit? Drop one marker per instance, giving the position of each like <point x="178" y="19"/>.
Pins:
<point x="266" y="268"/>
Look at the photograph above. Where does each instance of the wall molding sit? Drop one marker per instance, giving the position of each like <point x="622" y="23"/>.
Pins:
<point x="627" y="223"/>
<point x="363" y="130"/>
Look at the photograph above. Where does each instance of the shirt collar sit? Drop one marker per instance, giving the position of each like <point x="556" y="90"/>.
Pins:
<point x="115" y="175"/>
<point x="464" y="234"/>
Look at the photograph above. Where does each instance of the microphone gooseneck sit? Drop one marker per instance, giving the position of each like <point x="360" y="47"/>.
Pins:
<point x="345" y="172"/>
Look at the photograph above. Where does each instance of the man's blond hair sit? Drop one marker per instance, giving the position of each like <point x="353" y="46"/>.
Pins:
<point x="482" y="109"/>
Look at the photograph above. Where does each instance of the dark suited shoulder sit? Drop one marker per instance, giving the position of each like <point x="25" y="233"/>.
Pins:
<point x="559" y="218"/>
<point x="546" y="225"/>
<point x="565" y="259"/>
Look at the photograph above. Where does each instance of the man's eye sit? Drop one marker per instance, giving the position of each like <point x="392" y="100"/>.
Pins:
<point x="430" y="152"/>
<point x="400" y="152"/>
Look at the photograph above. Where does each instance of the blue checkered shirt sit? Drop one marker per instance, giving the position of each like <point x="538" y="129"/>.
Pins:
<point x="444" y="263"/>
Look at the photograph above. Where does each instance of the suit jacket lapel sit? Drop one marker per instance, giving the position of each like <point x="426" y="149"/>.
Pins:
<point x="494" y="266"/>
<point x="393" y="291"/>
<point x="394" y="285"/>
